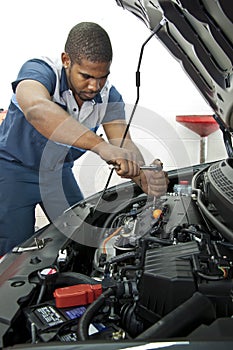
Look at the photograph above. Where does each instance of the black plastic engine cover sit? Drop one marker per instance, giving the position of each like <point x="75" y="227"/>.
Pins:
<point x="167" y="280"/>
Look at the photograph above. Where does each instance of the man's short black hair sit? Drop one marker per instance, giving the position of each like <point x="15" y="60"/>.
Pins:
<point x="90" y="41"/>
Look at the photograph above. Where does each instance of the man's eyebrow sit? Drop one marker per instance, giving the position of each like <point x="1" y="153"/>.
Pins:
<point x="88" y="76"/>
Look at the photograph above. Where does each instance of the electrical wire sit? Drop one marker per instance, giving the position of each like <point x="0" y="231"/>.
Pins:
<point x="108" y="239"/>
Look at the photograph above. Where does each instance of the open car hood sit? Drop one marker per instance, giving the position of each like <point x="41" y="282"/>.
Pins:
<point x="199" y="34"/>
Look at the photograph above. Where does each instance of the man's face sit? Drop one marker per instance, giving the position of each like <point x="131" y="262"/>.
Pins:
<point x="87" y="78"/>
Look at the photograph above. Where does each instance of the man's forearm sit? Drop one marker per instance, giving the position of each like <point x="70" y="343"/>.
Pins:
<point x="57" y="125"/>
<point x="130" y="145"/>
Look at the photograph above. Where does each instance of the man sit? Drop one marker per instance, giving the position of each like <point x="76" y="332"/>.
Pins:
<point x="51" y="121"/>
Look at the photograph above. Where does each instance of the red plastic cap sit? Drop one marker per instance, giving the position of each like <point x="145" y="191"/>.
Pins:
<point x="183" y="182"/>
<point x="80" y="294"/>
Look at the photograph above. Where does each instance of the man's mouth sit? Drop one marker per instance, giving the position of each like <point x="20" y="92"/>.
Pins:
<point x="88" y="95"/>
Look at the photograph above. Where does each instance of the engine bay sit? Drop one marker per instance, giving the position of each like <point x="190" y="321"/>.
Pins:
<point x="138" y="268"/>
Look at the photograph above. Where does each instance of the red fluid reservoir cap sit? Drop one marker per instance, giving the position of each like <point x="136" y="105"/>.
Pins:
<point x="183" y="182"/>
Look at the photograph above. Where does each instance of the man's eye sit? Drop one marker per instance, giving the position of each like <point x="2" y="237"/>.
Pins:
<point x="86" y="76"/>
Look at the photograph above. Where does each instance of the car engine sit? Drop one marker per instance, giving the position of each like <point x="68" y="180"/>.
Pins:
<point x="134" y="268"/>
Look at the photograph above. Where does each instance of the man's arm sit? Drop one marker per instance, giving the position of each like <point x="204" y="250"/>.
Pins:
<point x="57" y="125"/>
<point x="115" y="131"/>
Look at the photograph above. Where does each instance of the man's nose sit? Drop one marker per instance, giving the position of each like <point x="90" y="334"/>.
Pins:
<point x="94" y="84"/>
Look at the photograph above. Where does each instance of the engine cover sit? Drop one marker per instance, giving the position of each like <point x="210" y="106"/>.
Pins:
<point x="167" y="274"/>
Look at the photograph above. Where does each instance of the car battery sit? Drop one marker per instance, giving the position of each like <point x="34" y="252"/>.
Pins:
<point x="47" y="320"/>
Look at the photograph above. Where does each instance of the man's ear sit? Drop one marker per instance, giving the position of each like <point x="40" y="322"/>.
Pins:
<point x="65" y="60"/>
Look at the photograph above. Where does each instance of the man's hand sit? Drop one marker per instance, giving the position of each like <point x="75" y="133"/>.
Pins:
<point x="153" y="182"/>
<point x="124" y="160"/>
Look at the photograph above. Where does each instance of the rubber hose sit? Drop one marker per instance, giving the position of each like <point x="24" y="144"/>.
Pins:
<point x="85" y="320"/>
<point x="71" y="278"/>
<point x="182" y="320"/>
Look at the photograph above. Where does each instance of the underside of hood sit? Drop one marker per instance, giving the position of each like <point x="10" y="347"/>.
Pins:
<point x="199" y="34"/>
